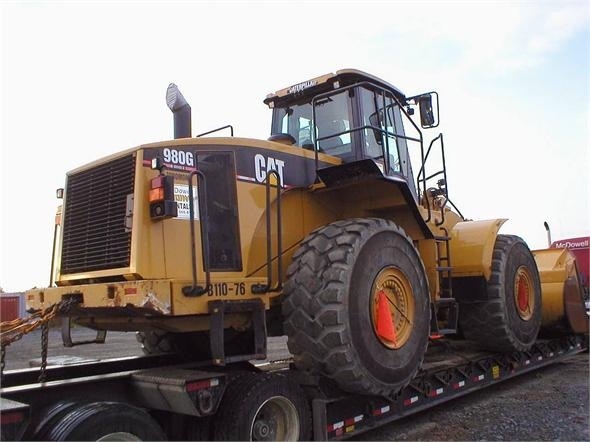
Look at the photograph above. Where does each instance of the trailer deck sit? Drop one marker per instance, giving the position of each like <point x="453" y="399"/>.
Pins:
<point x="450" y="370"/>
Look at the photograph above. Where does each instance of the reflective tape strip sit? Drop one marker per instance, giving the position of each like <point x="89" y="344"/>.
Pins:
<point x="436" y="392"/>
<point x="411" y="400"/>
<point x="336" y="426"/>
<point x="382" y="410"/>
<point x="459" y="384"/>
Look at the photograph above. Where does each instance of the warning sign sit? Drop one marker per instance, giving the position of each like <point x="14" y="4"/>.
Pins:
<point x="182" y="201"/>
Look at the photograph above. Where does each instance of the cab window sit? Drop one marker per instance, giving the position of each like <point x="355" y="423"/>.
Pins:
<point x="333" y="122"/>
<point x="380" y="141"/>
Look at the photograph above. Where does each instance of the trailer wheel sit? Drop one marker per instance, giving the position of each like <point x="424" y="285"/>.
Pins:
<point x="106" y="421"/>
<point x="199" y="429"/>
<point x="263" y="406"/>
<point x="510" y="318"/>
<point x="356" y="306"/>
<point x="44" y="420"/>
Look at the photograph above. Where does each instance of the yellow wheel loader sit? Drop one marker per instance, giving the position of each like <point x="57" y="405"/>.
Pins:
<point x="326" y="232"/>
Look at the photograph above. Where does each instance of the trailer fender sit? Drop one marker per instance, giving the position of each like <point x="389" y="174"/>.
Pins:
<point x="561" y="290"/>
<point x="472" y="245"/>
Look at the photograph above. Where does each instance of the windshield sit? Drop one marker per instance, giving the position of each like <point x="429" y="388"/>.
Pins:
<point x="331" y="130"/>
<point x="295" y="121"/>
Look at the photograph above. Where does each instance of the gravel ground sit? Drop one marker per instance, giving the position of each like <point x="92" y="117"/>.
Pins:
<point x="549" y="404"/>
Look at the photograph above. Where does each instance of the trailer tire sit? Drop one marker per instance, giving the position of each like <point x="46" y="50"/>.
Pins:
<point x="106" y="421"/>
<point x="44" y="420"/>
<point x="330" y="305"/>
<point x="199" y="428"/>
<point x="263" y="406"/>
<point x="510" y="318"/>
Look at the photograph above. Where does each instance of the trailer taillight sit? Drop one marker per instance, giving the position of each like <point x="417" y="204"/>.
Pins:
<point x="12" y="417"/>
<point x="161" y="197"/>
<point x="202" y="384"/>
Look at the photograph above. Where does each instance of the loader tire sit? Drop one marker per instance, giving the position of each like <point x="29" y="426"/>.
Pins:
<point x="331" y="306"/>
<point x="155" y="342"/>
<point x="192" y="345"/>
<point x="510" y="318"/>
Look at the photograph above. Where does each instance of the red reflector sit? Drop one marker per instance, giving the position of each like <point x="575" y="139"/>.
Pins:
<point x="11" y="418"/>
<point x="131" y="291"/>
<point x="199" y="385"/>
<point x="157" y="182"/>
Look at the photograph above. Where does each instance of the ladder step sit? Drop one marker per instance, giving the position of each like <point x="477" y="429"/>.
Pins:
<point x="443" y="269"/>
<point x="442" y="238"/>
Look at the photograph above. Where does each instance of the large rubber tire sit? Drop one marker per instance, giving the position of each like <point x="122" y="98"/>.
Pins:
<point x="156" y="342"/>
<point x="263" y="406"/>
<point x="43" y="421"/>
<point x="106" y="421"/>
<point x="193" y="345"/>
<point x="510" y="318"/>
<point x="329" y="300"/>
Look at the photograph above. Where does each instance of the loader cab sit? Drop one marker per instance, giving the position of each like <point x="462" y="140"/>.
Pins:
<point x="351" y="115"/>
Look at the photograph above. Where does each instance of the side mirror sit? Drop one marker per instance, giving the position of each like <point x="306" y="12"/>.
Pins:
<point x="428" y="106"/>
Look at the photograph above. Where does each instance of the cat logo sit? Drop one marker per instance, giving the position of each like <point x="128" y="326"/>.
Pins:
<point x="263" y="165"/>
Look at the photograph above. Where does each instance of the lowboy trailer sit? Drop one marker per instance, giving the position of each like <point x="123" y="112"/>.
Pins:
<point x="163" y="397"/>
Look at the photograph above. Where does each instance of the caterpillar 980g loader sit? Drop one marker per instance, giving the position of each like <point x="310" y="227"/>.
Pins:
<point x="324" y="232"/>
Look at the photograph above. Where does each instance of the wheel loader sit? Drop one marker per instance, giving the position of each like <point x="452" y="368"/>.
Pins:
<point x="337" y="231"/>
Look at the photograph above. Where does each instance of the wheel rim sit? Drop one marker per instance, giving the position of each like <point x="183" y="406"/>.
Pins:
<point x="275" y="419"/>
<point x="392" y="288"/>
<point x="118" y="436"/>
<point x="524" y="293"/>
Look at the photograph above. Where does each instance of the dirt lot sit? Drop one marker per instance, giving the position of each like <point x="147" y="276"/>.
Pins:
<point x="549" y="404"/>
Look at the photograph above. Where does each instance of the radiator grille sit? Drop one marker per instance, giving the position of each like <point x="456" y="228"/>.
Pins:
<point x="94" y="234"/>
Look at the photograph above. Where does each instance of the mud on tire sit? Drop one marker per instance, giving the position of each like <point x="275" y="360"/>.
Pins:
<point x="328" y="300"/>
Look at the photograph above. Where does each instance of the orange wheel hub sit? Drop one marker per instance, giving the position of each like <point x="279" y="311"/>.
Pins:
<point x="524" y="295"/>
<point x="392" y="307"/>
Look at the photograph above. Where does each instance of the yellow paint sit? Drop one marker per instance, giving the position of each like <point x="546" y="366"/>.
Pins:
<point x="472" y="246"/>
<point x="555" y="266"/>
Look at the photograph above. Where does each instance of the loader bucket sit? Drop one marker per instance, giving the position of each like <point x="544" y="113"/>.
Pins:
<point x="561" y="290"/>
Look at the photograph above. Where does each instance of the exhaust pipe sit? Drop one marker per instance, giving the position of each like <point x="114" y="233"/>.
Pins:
<point x="181" y="110"/>
<point x="548" y="233"/>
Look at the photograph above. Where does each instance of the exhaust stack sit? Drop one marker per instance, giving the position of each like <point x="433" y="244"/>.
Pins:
<point x="181" y="110"/>
<point x="546" y="224"/>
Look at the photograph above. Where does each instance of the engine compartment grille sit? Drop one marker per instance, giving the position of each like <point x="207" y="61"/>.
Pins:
<point x="94" y="233"/>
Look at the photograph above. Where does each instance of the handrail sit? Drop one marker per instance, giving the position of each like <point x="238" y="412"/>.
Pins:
<point x="231" y="129"/>
<point x="196" y="290"/>
<point x="268" y="287"/>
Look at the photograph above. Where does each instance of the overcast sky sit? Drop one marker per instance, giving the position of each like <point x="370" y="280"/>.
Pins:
<point x="83" y="80"/>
